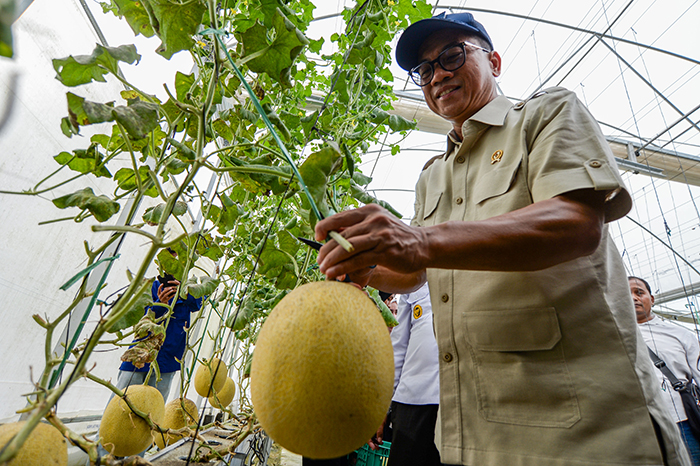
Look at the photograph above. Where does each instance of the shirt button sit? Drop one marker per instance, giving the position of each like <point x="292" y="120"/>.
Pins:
<point x="447" y="357"/>
<point x="595" y="164"/>
<point x="445" y="298"/>
<point x="460" y="159"/>
<point x="458" y="200"/>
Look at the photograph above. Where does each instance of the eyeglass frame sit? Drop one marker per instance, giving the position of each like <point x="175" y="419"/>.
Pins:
<point x="432" y="63"/>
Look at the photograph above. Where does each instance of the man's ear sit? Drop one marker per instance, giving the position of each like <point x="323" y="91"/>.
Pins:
<point x="495" y="60"/>
<point x="652" y="300"/>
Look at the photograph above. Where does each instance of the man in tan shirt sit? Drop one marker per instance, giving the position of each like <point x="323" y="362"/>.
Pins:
<point x="541" y="362"/>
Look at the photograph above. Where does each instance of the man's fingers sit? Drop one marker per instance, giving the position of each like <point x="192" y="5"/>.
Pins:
<point x="332" y="254"/>
<point x="351" y="265"/>
<point x="342" y="220"/>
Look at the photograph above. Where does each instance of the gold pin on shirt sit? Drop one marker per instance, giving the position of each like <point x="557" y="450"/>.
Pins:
<point x="496" y="156"/>
<point x="417" y="311"/>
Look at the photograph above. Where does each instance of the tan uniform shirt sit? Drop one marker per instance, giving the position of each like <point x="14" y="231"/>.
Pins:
<point x="548" y="367"/>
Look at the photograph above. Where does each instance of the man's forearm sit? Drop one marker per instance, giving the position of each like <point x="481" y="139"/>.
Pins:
<point x="533" y="238"/>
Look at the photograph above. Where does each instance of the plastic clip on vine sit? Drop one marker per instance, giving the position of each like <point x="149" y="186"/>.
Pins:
<point x="217" y="33"/>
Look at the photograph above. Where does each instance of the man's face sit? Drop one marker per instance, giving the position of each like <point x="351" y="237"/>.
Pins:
<point x="643" y="300"/>
<point x="457" y="95"/>
<point x="392" y="304"/>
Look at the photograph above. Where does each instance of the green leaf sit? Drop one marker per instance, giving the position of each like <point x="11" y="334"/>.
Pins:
<point x="210" y="248"/>
<point x="205" y="287"/>
<point x="225" y="217"/>
<point x="378" y="116"/>
<point x="127" y="181"/>
<point x="175" y="166"/>
<point x="399" y="123"/>
<point x="84" y="161"/>
<point x="274" y="58"/>
<point x="315" y="171"/>
<point x="169" y="264"/>
<point x="288" y="242"/>
<point x="67" y="128"/>
<point x="136" y="16"/>
<point x="315" y="45"/>
<point x="177" y="22"/>
<point x="271" y="261"/>
<point x="76" y="113"/>
<point x="183" y="85"/>
<point x="152" y="215"/>
<point x="239" y="318"/>
<point x="82" y="69"/>
<point x="138" y="118"/>
<point x="349" y="159"/>
<point x="134" y="314"/>
<point x="101" y="207"/>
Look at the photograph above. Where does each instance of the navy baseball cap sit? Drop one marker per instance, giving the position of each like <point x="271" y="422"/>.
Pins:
<point x="414" y="36"/>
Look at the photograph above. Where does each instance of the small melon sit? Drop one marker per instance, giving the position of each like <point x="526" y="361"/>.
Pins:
<point x="45" y="446"/>
<point x="203" y="376"/>
<point x="122" y="432"/>
<point x="178" y="413"/>
<point x="225" y="396"/>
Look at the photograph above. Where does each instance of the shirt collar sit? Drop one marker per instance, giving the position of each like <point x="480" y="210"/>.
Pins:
<point x="493" y="113"/>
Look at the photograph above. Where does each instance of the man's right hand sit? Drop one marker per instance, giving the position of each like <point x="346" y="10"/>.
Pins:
<point x="166" y="293"/>
<point x="378" y="438"/>
<point x="378" y="238"/>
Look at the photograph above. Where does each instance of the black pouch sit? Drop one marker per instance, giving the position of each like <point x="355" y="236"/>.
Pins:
<point x="690" y="396"/>
<point x="689" y="392"/>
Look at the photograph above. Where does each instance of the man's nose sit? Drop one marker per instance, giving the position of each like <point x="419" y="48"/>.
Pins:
<point x="439" y="74"/>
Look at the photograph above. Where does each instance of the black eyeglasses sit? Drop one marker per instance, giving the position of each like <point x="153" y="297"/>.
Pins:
<point x="449" y="60"/>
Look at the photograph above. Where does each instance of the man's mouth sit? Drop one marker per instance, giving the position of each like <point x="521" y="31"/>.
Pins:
<point x="446" y="91"/>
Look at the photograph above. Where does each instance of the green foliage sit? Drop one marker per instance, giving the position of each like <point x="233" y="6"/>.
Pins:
<point x="135" y="312"/>
<point x="317" y="169"/>
<point x="199" y="288"/>
<point x="82" y="69"/>
<point x="273" y="57"/>
<point x="138" y="118"/>
<point x="152" y="215"/>
<point x="101" y="207"/>
<point x="240" y="317"/>
<point x="7" y="16"/>
<point x="126" y="179"/>
<point x="389" y="318"/>
<point x="88" y="160"/>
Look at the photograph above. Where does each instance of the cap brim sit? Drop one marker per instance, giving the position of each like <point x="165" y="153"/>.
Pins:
<point x="413" y="37"/>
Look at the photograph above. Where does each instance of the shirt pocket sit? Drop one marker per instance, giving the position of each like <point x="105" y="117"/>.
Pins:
<point x="432" y="201"/>
<point x="497" y="181"/>
<point x="520" y="372"/>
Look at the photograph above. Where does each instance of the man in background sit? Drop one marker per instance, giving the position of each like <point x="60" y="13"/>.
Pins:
<point x="678" y="348"/>
<point x="414" y="406"/>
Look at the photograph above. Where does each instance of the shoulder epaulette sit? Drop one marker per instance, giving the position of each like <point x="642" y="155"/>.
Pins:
<point x="430" y="162"/>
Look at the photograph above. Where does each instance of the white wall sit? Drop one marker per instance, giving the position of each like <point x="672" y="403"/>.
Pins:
<point x="36" y="260"/>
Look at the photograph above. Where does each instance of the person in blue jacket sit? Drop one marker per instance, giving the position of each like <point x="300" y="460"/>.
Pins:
<point x="173" y="348"/>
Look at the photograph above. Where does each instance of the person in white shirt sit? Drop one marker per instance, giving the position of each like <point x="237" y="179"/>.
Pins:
<point x="414" y="405"/>
<point x="678" y="348"/>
